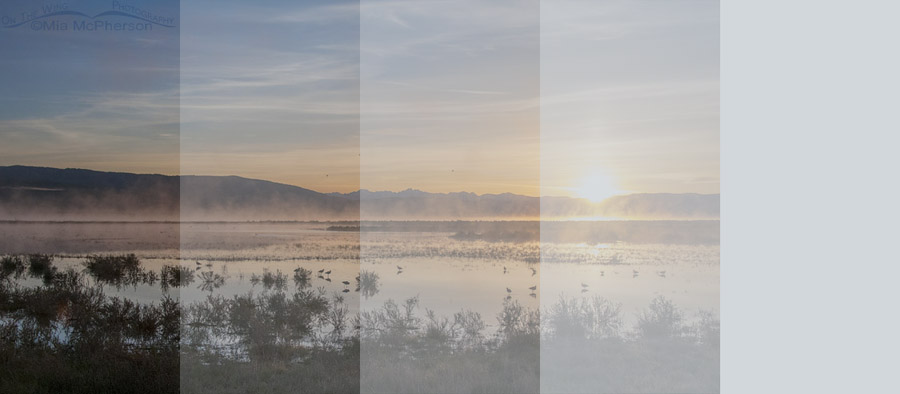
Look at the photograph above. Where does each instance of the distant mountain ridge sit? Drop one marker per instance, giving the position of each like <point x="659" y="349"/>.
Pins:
<point x="42" y="193"/>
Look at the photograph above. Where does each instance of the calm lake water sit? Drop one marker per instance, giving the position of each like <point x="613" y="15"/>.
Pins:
<point x="447" y="274"/>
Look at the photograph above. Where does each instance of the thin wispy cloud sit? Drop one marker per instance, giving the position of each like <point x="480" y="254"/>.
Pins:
<point x="627" y="87"/>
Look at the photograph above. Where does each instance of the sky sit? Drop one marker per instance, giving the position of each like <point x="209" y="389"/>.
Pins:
<point x="553" y="98"/>
<point x="629" y="95"/>
<point x="104" y="100"/>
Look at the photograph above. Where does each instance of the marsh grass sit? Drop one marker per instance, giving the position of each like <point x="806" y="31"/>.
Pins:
<point x="575" y="345"/>
<point x="41" y="266"/>
<point x="112" y="267"/>
<point x="367" y="283"/>
<point x="11" y="266"/>
<point x="119" y="270"/>
<point x="271" y="341"/>
<point x="405" y="353"/>
<point x="586" y="348"/>
<point x="68" y="337"/>
<point x="38" y="264"/>
<point x="322" y="370"/>
<point x="210" y="281"/>
<point x="175" y="276"/>
<point x="302" y="277"/>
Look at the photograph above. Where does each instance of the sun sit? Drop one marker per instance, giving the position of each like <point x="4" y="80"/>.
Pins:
<point x="597" y="187"/>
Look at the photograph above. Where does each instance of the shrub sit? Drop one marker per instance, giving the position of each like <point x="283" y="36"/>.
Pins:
<point x="113" y="269"/>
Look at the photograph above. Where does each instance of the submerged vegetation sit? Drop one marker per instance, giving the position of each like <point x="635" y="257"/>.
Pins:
<point x="367" y="282"/>
<point x="66" y="333"/>
<point x="67" y="336"/>
<point x="11" y="266"/>
<point x="176" y="276"/>
<point x="576" y="345"/>
<point x="586" y="348"/>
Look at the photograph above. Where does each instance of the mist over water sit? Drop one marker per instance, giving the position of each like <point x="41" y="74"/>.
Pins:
<point x="50" y="194"/>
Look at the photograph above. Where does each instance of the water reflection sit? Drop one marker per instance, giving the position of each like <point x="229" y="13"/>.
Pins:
<point x="638" y="317"/>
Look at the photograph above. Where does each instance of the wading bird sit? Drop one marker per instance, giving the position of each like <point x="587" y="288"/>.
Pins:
<point x="322" y="270"/>
<point x="533" y="271"/>
<point x="346" y="283"/>
<point x="328" y="272"/>
<point x="508" y="290"/>
<point x="532" y="288"/>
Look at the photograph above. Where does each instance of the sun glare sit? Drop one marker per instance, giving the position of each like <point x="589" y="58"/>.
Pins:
<point x="597" y="187"/>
